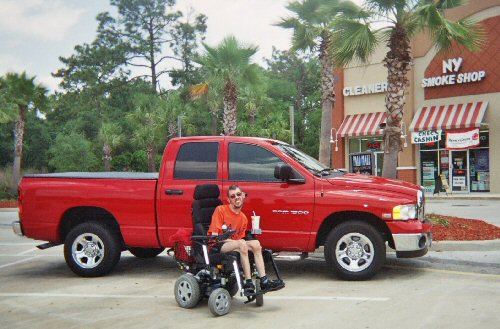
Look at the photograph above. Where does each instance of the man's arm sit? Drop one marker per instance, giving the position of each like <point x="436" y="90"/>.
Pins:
<point x="217" y="222"/>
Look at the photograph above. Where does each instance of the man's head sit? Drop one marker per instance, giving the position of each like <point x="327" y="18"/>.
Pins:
<point x="235" y="197"/>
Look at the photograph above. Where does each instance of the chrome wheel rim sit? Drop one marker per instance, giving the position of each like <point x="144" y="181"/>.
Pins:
<point x="354" y="252"/>
<point x="88" y="250"/>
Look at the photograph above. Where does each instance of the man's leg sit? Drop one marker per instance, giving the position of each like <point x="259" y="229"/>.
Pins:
<point x="256" y="248"/>
<point x="241" y="247"/>
<point x="265" y="283"/>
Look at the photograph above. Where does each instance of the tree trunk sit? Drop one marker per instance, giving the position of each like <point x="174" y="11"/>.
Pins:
<point x="214" y="124"/>
<point x="18" y="149"/>
<point x="151" y="152"/>
<point x="230" y="106"/>
<point x="106" y="155"/>
<point x="328" y="100"/>
<point x="398" y="62"/>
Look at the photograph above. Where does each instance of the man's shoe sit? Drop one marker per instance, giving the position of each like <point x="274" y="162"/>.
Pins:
<point x="248" y="288"/>
<point x="271" y="285"/>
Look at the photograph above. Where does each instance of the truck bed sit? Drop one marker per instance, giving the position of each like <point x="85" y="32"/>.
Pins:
<point x="98" y="175"/>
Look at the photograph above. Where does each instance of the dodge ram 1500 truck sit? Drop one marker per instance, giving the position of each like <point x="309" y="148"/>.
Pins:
<point x="303" y="205"/>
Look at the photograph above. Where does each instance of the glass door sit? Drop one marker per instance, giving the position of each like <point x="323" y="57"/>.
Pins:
<point x="379" y="163"/>
<point x="459" y="171"/>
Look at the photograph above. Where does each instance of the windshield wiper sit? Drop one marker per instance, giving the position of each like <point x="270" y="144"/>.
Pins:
<point x="323" y="172"/>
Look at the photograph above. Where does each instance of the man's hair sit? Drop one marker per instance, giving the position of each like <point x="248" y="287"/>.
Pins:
<point x="232" y="188"/>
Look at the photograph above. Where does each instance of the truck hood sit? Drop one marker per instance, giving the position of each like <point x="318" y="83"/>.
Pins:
<point x="375" y="185"/>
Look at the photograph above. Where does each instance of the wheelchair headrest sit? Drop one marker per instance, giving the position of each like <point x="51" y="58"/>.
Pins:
<point x="206" y="191"/>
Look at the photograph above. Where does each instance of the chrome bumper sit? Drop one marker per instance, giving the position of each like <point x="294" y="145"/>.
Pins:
<point x="412" y="245"/>
<point x="16" y="227"/>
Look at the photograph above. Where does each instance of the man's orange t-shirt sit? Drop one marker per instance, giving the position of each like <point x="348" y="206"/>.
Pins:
<point x="224" y="215"/>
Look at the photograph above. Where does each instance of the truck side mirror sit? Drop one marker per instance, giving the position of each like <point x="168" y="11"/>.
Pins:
<point x="286" y="173"/>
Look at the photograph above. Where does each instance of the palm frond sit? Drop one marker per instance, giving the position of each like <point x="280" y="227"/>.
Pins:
<point x="352" y="40"/>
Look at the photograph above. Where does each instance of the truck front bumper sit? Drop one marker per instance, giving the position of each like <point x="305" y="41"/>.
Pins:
<point x="16" y="227"/>
<point x="412" y="245"/>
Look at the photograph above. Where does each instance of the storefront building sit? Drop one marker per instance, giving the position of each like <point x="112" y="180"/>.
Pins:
<point x="451" y="123"/>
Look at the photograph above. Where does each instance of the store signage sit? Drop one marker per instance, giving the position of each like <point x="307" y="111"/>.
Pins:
<point x="459" y="181"/>
<point x="372" y="88"/>
<point x="452" y="66"/>
<point x="462" y="140"/>
<point x="374" y="145"/>
<point x="429" y="136"/>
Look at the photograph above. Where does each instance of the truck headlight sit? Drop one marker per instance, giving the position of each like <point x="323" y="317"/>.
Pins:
<point x="404" y="212"/>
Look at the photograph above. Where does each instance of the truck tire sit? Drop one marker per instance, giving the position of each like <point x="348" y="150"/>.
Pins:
<point x="355" y="250"/>
<point x="92" y="249"/>
<point x="145" y="252"/>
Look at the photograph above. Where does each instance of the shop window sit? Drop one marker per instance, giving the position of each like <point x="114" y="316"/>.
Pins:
<point x="479" y="170"/>
<point x="364" y="144"/>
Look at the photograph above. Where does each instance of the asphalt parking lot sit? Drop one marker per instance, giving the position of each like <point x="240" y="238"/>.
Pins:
<point x="441" y="290"/>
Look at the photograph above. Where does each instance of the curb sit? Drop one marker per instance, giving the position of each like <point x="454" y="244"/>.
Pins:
<point x="9" y="209"/>
<point x="486" y="245"/>
<point x="438" y="246"/>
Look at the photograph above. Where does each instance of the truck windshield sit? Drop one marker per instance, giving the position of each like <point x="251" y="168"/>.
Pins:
<point x="308" y="162"/>
<point x="305" y="160"/>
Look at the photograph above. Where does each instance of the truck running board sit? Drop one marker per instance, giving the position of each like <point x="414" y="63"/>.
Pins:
<point x="48" y="245"/>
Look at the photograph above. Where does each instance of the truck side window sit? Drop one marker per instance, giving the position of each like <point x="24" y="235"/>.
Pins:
<point x="251" y="163"/>
<point x="197" y="160"/>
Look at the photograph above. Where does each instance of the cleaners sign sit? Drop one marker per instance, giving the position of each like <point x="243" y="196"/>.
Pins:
<point x="452" y="67"/>
<point x="420" y="137"/>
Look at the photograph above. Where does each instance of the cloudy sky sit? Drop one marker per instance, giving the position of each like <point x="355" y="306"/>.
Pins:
<point x="34" y="33"/>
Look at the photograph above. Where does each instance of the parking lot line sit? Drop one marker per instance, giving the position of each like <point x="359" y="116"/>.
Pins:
<point x="18" y="262"/>
<point x="426" y="269"/>
<point x="135" y="296"/>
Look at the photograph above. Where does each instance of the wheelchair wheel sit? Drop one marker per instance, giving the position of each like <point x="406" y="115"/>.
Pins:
<point x="187" y="291"/>
<point x="219" y="302"/>
<point x="259" y="299"/>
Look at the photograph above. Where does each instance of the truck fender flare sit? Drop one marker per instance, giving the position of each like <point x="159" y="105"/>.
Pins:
<point x="334" y="219"/>
<point x="77" y="215"/>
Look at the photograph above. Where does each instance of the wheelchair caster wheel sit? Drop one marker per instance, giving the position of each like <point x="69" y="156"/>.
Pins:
<point x="259" y="299"/>
<point x="219" y="302"/>
<point x="187" y="291"/>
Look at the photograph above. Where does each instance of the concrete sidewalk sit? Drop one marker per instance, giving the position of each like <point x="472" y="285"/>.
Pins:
<point x="465" y="196"/>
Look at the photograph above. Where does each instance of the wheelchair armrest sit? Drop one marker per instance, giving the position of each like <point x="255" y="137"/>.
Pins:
<point x="214" y="238"/>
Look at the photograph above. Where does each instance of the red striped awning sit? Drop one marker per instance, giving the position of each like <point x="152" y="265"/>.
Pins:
<point x="455" y="116"/>
<point x="366" y="124"/>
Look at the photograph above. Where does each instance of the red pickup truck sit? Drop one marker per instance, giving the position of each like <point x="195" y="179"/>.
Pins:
<point x="302" y="205"/>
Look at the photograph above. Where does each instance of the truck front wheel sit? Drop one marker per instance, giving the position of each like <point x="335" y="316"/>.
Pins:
<point x="91" y="249"/>
<point x="355" y="251"/>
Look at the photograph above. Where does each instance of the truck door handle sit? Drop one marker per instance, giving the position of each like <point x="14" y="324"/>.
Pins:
<point x="174" y="192"/>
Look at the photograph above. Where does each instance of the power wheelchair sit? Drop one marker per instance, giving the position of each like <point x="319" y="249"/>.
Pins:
<point x="208" y="272"/>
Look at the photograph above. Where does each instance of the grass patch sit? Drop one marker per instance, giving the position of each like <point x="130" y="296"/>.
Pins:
<point x="438" y="220"/>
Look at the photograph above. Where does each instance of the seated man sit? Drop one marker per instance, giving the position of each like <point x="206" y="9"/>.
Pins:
<point x="232" y="216"/>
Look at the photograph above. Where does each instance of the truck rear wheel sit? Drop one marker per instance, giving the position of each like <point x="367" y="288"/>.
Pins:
<point x="91" y="249"/>
<point x="145" y="252"/>
<point x="355" y="251"/>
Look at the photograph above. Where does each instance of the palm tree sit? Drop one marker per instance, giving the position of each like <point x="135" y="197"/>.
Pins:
<point x="402" y="19"/>
<point x="229" y="62"/>
<point x="111" y="136"/>
<point x="20" y="94"/>
<point x="311" y="26"/>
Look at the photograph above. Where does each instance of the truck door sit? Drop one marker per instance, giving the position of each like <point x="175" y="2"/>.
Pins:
<point x="193" y="163"/>
<point x="286" y="210"/>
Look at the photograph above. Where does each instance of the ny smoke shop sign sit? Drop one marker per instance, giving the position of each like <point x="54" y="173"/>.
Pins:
<point x="452" y="74"/>
<point x="420" y="137"/>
